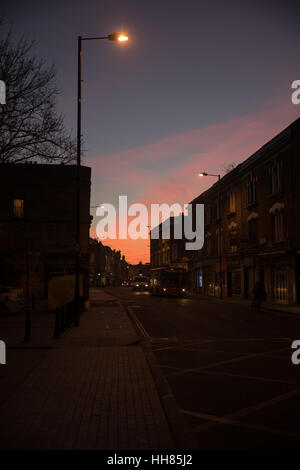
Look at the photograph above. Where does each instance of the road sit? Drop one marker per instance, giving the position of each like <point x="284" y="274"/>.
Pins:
<point x="229" y="368"/>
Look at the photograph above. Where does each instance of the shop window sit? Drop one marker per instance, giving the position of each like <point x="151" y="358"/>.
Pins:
<point x="280" y="286"/>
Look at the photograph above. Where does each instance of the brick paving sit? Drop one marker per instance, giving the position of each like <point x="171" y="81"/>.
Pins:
<point x="91" y="389"/>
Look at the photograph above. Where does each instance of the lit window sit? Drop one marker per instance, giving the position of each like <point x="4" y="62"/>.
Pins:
<point x="232" y="206"/>
<point x="18" y="209"/>
<point x="280" y="287"/>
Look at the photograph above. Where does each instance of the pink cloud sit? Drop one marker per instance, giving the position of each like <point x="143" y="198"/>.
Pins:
<point x="184" y="155"/>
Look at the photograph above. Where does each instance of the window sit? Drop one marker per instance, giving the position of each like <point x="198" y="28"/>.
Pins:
<point x="280" y="286"/>
<point x="220" y="241"/>
<point x="252" y="189"/>
<point x="200" y="277"/>
<point x="277" y="226"/>
<point x="18" y="208"/>
<point x="233" y="238"/>
<point x="208" y="246"/>
<point x="276" y="178"/>
<point x="208" y="215"/>
<point x="174" y="252"/>
<point x="253" y="231"/>
<point x="231" y="201"/>
<point x="277" y="214"/>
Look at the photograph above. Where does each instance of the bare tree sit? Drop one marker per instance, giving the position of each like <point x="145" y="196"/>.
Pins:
<point x="30" y="126"/>
<point x="229" y="167"/>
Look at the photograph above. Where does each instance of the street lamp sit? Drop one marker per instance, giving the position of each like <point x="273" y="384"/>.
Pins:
<point x="220" y="228"/>
<point x="121" y="38"/>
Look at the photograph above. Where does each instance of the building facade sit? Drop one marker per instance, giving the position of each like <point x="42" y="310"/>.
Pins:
<point x="260" y="226"/>
<point x="107" y="266"/>
<point x="38" y="225"/>
<point x="169" y="250"/>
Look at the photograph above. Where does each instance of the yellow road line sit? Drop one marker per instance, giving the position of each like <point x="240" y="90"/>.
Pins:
<point x="139" y="324"/>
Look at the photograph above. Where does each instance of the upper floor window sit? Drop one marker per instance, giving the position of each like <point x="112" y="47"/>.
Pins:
<point x="252" y="189"/>
<point x="208" y="214"/>
<point x="219" y="241"/>
<point x="18" y="208"/>
<point x="253" y="229"/>
<point x="208" y="244"/>
<point x="174" y="252"/>
<point x="277" y="226"/>
<point x="276" y="212"/>
<point x="231" y="201"/>
<point x="216" y="211"/>
<point x="276" y="177"/>
<point x="233" y="237"/>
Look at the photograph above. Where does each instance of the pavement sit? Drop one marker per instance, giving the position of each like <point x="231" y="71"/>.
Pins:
<point x="248" y="303"/>
<point x="93" y="388"/>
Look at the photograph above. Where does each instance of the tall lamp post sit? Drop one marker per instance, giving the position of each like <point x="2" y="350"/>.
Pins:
<point x="117" y="37"/>
<point x="220" y="231"/>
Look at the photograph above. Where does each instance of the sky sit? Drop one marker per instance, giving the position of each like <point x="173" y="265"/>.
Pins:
<point x="198" y="86"/>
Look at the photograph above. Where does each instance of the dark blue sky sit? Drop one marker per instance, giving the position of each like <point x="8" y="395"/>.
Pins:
<point x="200" y="83"/>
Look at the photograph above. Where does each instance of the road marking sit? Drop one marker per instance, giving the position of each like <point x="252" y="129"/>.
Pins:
<point x="139" y="325"/>
<point x="227" y="420"/>
<point x="172" y="339"/>
<point x="220" y="363"/>
<point x="187" y="344"/>
<point x="251" y="377"/>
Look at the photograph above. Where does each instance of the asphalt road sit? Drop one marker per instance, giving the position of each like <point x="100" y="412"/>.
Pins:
<point x="229" y="368"/>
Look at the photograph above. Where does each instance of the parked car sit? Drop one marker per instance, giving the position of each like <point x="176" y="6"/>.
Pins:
<point x="140" y="283"/>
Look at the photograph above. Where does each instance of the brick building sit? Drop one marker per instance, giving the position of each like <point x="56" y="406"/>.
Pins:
<point x="140" y="269"/>
<point x="260" y="234"/>
<point x="38" y="225"/>
<point x="169" y="250"/>
<point x="107" y="266"/>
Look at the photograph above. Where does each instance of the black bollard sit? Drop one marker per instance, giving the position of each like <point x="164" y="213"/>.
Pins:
<point x="62" y="318"/>
<point x="71" y="307"/>
<point x="27" y="335"/>
<point x="81" y="304"/>
<point x="72" y="311"/>
<point x="56" y="328"/>
<point x="68" y="322"/>
<point x="33" y="301"/>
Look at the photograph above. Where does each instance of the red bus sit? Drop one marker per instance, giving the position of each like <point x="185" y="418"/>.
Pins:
<point x="168" y="281"/>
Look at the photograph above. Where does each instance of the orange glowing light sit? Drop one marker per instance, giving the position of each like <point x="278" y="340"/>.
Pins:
<point x="122" y="38"/>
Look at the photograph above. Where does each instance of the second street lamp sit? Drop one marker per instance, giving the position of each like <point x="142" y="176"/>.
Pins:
<point x="117" y="37"/>
<point x="220" y="231"/>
